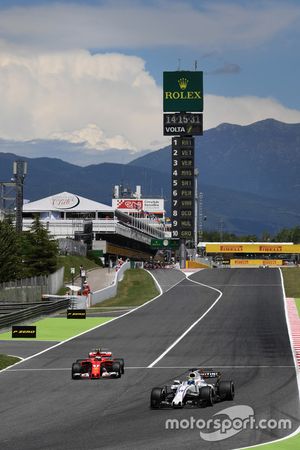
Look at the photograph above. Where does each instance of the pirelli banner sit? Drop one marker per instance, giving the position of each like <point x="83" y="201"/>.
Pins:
<point x="256" y="262"/>
<point x="253" y="248"/>
<point x="76" y="314"/>
<point x="23" y="331"/>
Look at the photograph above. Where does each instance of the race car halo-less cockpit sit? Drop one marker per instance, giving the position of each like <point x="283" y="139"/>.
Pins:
<point x="203" y="387"/>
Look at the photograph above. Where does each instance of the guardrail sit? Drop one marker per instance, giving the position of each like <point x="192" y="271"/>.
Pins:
<point x="28" y="312"/>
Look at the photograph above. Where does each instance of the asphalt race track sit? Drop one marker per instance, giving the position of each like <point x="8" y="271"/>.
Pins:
<point x="244" y="335"/>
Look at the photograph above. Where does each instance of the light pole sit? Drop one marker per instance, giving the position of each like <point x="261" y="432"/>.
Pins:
<point x="19" y="171"/>
<point x="182" y="254"/>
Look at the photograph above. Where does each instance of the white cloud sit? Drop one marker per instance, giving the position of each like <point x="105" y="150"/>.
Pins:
<point x="52" y="88"/>
<point x="137" y="24"/>
<point x="94" y="138"/>
<point x="245" y="110"/>
<point x="106" y="100"/>
<point x="102" y="101"/>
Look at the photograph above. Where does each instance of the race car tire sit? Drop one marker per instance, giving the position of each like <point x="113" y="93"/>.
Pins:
<point x="155" y="398"/>
<point x="79" y="360"/>
<point x="167" y="390"/>
<point x="102" y="369"/>
<point x="206" y="395"/>
<point x="76" y="368"/>
<point x="116" y="367"/>
<point x="226" y="390"/>
<point x="122" y="364"/>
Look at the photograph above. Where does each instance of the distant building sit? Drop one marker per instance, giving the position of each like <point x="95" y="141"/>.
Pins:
<point x="66" y="208"/>
<point x="148" y="209"/>
<point x="107" y="230"/>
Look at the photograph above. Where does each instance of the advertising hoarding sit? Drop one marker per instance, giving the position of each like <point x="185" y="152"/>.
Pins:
<point x="253" y="248"/>
<point x="183" y="91"/>
<point x="151" y="205"/>
<point x="256" y="262"/>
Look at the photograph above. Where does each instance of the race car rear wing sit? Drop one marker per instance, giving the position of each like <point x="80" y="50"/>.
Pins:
<point x="208" y="373"/>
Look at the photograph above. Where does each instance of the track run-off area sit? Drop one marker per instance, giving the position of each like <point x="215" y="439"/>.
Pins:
<point x="232" y="320"/>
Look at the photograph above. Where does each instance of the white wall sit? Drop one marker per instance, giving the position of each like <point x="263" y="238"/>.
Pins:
<point x="110" y="291"/>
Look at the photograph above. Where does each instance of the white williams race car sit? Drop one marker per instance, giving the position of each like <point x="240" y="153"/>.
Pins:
<point x="194" y="391"/>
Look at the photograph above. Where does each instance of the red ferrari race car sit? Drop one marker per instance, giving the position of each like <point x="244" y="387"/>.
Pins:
<point x="99" y="364"/>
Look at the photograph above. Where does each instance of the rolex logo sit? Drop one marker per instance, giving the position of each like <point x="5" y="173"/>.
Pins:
<point x="183" y="82"/>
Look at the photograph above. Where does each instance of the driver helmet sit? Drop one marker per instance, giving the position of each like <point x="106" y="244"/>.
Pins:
<point x="191" y="379"/>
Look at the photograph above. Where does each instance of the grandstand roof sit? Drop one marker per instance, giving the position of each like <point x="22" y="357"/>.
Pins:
<point x="65" y="201"/>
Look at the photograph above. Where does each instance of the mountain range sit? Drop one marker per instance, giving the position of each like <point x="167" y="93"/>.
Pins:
<point x="249" y="176"/>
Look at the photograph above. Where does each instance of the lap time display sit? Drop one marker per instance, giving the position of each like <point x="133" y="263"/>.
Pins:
<point x="182" y="124"/>
<point x="183" y="188"/>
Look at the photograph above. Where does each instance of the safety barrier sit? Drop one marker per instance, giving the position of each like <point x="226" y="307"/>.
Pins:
<point x="196" y="265"/>
<point x="110" y="291"/>
<point x="29" y="311"/>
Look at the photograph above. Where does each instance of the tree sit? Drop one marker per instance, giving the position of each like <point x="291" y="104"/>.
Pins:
<point x="296" y="235"/>
<point x="284" y="235"/>
<point x="215" y="236"/>
<point x="266" y="237"/>
<point x="40" y="250"/>
<point x="10" y="256"/>
<point x="288" y="235"/>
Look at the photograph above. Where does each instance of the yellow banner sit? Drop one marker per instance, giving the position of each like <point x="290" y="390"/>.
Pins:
<point x="253" y="248"/>
<point x="256" y="262"/>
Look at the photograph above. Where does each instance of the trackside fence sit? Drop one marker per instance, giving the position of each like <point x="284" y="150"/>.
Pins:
<point x="31" y="289"/>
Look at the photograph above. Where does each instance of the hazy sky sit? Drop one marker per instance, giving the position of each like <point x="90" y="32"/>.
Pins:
<point x="90" y="72"/>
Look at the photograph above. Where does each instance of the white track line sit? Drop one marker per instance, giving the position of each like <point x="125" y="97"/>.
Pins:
<point x="247" y="285"/>
<point x="94" y="328"/>
<point x="158" y="367"/>
<point x="191" y="327"/>
<point x="36" y="341"/>
<point x="54" y="369"/>
<point x="295" y="367"/>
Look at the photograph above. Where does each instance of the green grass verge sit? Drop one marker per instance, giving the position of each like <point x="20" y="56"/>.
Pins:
<point x="291" y="276"/>
<point x="59" y="329"/>
<point x="6" y="361"/>
<point x="136" y="288"/>
<point x="287" y="444"/>
<point x="75" y="261"/>
<point x="297" y="300"/>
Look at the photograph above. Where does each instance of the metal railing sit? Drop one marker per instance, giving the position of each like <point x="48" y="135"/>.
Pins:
<point x="29" y="311"/>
